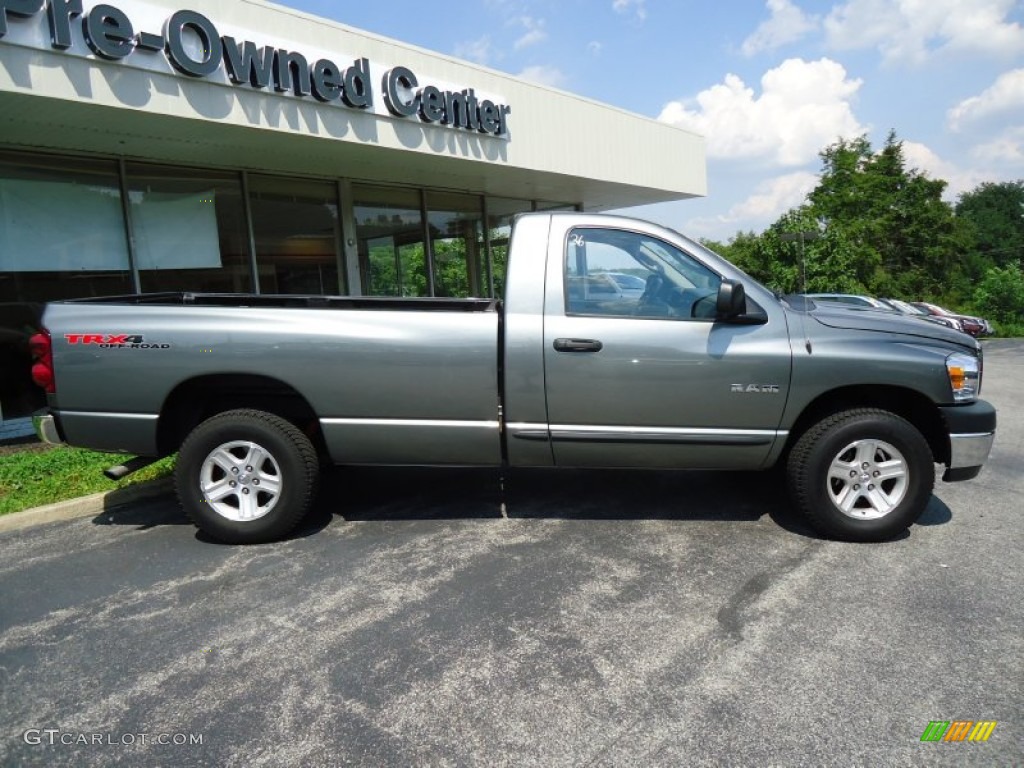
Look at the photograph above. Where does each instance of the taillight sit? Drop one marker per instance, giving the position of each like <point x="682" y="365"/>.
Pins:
<point x="42" y="361"/>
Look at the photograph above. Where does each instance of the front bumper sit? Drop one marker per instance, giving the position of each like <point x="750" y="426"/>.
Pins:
<point x="46" y="427"/>
<point x="972" y="430"/>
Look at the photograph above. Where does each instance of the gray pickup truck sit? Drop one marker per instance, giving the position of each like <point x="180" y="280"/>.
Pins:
<point x="700" y="368"/>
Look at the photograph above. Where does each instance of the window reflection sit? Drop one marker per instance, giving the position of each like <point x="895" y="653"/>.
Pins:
<point x="62" y="231"/>
<point x="389" y="233"/>
<point x="296" y="228"/>
<point x="188" y="229"/>
<point x="627" y="274"/>
<point x="456" y="241"/>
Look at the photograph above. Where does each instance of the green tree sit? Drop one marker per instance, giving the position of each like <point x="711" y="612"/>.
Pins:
<point x="995" y="213"/>
<point x="882" y="228"/>
<point x="823" y="262"/>
<point x="897" y="234"/>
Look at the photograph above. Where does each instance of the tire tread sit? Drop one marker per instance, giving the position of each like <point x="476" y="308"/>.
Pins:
<point x="801" y="483"/>
<point x="310" y="464"/>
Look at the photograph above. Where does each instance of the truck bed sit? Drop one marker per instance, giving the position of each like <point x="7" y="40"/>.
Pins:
<point x="390" y="380"/>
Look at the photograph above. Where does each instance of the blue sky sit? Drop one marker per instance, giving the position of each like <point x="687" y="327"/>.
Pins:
<point x="768" y="83"/>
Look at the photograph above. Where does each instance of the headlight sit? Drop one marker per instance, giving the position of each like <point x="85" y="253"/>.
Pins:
<point x="964" y="377"/>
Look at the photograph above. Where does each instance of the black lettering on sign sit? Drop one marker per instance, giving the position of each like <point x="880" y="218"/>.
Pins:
<point x="23" y="8"/>
<point x="399" y="91"/>
<point x="248" y="64"/>
<point x="193" y="47"/>
<point x="210" y="51"/>
<point x="59" y="13"/>
<point x="108" y="32"/>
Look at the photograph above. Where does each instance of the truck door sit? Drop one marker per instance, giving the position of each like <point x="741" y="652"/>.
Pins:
<point x="638" y="373"/>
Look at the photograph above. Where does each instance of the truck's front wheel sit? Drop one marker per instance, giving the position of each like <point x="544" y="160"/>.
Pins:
<point x="861" y="475"/>
<point x="246" y="476"/>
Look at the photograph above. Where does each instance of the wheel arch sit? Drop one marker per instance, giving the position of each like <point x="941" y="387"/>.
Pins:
<point x="193" y="401"/>
<point x="907" y="403"/>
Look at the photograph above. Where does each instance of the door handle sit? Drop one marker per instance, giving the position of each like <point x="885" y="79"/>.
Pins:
<point x="578" y="345"/>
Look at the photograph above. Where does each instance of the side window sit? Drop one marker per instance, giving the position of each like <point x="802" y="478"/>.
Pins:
<point x="613" y="272"/>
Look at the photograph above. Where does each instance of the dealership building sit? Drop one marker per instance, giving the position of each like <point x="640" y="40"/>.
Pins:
<point x="240" y="146"/>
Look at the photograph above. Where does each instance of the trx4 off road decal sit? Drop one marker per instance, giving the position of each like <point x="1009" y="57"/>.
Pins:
<point x="113" y="341"/>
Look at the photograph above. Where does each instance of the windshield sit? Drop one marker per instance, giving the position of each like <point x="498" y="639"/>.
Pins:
<point x="627" y="259"/>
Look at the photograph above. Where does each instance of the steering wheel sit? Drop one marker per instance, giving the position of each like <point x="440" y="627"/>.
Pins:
<point x="653" y="300"/>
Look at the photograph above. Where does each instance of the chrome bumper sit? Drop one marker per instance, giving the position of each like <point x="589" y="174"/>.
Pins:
<point x="46" y="428"/>
<point x="967" y="453"/>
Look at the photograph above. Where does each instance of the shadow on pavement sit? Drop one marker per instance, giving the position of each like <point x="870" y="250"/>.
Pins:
<point x="368" y="494"/>
<point x="936" y="513"/>
<point x="143" y="514"/>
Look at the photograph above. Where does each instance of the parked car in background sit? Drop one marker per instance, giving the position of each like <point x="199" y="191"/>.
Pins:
<point x="975" y="326"/>
<point x="906" y="308"/>
<point x="632" y="287"/>
<point x="890" y="305"/>
<point x="851" y="299"/>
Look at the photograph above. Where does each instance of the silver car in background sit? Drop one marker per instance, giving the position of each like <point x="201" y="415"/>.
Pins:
<point x="907" y="308"/>
<point x="888" y="305"/>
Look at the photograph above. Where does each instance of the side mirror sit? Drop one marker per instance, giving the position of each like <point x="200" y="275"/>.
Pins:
<point x="732" y="300"/>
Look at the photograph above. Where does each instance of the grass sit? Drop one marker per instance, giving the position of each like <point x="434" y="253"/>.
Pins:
<point x="34" y="475"/>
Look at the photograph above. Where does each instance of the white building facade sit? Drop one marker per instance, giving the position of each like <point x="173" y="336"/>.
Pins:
<point x="240" y="146"/>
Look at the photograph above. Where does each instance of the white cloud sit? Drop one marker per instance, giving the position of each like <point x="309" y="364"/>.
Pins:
<point x="771" y="198"/>
<point x="803" y="107"/>
<point x="1000" y="159"/>
<point x="543" y="75"/>
<point x="636" y="7"/>
<point x="1004" y="95"/>
<point x="911" y="30"/>
<point x="479" y="50"/>
<point x="774" y="197"/>
<point x="535" y="32"/>
<point x="786" y="25"/>
<point x="921" y="158"/>
<point x="1006" y="153"/>
<point x="594" y="48"/>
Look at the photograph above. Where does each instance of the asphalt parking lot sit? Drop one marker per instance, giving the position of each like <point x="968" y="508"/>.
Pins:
<point x="575" y="619"/>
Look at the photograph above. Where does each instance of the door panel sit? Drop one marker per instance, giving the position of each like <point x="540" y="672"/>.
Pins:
<point x="643" y="390"/>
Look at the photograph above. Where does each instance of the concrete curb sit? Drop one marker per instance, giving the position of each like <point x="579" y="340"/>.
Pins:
<point x="85" y="506"/>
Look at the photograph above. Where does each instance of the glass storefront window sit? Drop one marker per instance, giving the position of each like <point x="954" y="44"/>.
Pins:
<point x="62" y="236"/>
<point x="500" y="211"/>
<point x="389" y="233"/>
<point x="62" y="232"/>
<point x="297" y="233"/>
<point x="456" y="240"/>
<point x="188" y="230"/>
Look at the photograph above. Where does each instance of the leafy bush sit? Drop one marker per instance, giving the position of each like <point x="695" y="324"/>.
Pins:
<point x="1000" y="297"/>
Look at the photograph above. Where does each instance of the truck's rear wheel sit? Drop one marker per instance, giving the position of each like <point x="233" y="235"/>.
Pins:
<point x="861" y="475"/>
<point x="246" y="476"/>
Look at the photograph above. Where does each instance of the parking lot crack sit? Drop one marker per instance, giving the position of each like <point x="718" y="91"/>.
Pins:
<point x="736" y="613"/>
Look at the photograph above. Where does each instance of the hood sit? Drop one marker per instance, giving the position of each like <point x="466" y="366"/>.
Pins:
<point x="880" y="320"/>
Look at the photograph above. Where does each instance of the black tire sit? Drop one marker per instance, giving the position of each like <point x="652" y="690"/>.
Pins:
<point x="271" y="463"/>
<point x="872" y="462"/>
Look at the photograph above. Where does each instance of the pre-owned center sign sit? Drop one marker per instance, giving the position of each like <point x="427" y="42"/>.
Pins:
<point x="194" y="47"/>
